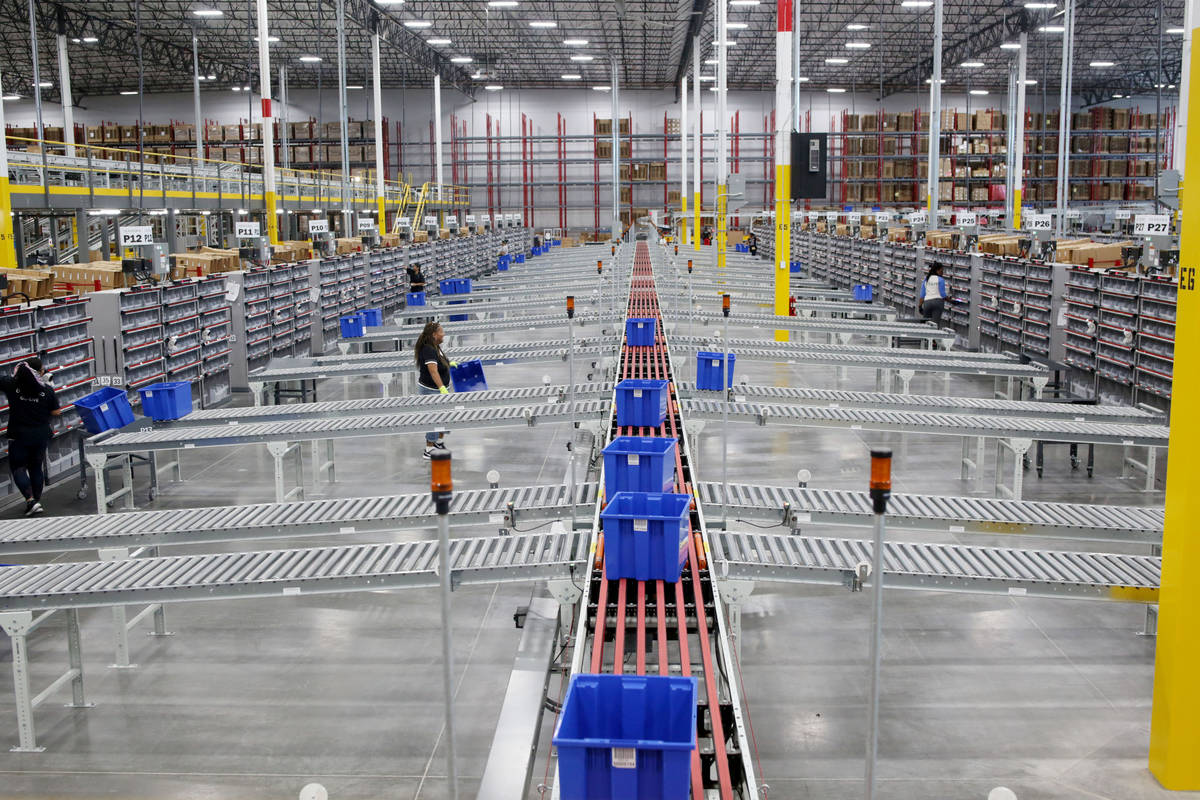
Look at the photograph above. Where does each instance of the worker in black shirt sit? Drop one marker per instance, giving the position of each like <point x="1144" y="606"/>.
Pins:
<point x="31" y="404"/>
<point x="434" y="370"/>
<point x="416" y="278"/>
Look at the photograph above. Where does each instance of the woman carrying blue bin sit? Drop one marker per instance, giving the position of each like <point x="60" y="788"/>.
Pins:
<point x="434" y="370"/>
<point x="31" y="403"/>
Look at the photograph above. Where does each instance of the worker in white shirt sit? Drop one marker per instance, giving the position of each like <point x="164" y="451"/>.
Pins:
<point x="933" y="295"/>
<point x="504" y="248"/>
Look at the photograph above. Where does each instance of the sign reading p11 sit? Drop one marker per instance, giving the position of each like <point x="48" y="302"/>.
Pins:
<point x="134" y="235"/>
<point x="318" y="226"/>
<point x="1039" y="222"/>
<point x="1151" y="225"/>
<point x="246" y="230"/>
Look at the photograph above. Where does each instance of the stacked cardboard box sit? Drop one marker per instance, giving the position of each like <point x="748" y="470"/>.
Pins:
<point x="94" y="276"/>
<point x="197" y="265"/>
<point x="36" y="284"/>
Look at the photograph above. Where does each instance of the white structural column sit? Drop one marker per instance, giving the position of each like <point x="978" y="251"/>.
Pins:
<point x="935" y="117"/>
<point x="783" y="161"/>
<point x="722" y="129"/>
<point x="683" y="161"/>
<point x="268" y="149"/>
<point x="698" y="145"/>
<point x="440" y="176"/>
<point x="196" y="95"/>
<point x="1064" y="118"/>
<point x="344" y="116"/>
<point x="614" y="90"/>
<point x="379" y="176"/>
<point x="1191" y="18"/>
<point x="64" y="82"/>
<point x="1017" y="146"/>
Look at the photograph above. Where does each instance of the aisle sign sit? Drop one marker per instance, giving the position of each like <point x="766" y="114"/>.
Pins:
<point x="365" y="224"/>
<point x="967" y="219"/>
<point x="133" y="235"/>
<point x="430" y="221"/>
<point x="318" y="226"/>
<point x="1123" y="213"/>
<point x="1039" y="222"/>
<point x="246" y="230"/>
<point x="486" y="219"/>
<point x="883" y="217"/>
<point x="470" y="219"/>
<point x="918" y="218"/>
<point x="831" y="216"/>
<point x="854" y="217"/>
<point x="404" y="223"/>
<point x="1151" y="225"/>
<point x="1073" y="213"/>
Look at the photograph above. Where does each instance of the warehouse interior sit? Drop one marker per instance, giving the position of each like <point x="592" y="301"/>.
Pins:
<point x="597" y="400"/>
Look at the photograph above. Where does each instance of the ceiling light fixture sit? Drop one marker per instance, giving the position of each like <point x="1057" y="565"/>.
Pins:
<point x="1051" y="29"/>
<point x="704" y="78"/>
<point x="572" y="77"/>
<point x="212" y="77"/>
<point x="575" y="42"/>
<point x="390" y="2"/>
<point x="979" y="92"/>
<point x="461" y="60"/>
<point x="916" y="3"/>
<point x="583" y="58"/>
<point x="728" y="43"/>
<point x="737" y="26"/>
<point x="417" y="23"/>
<point x="712" y="62"/>
<point x="493" y="87"/>
<point x="11" y="97"/>
<point x="543" y="23"/>
<point x="1174" y="31"/>
<point x="270" y="39"/>
<point x="353" y="87"/>
<point x="858" y="45"/>
<point x="236" y="89"/>
<point x="1030" y="82"/>
<point x="208" y="12"/>
<point x="438" y="42"/>
<point x="601" y="88"/>
<point x="311" y="59"/>
<point x="1118" y="96"/>
<point x="45" y="84"/>
<point x="90" y="39"/>
<point x="1040" y="6"/>
<point x="502" y="3"/>
<point x="930" y="81"/>
<point x="744" y="2"/>
<point x="1101" y="64"/>
<point x="129" y="93"/>
<point x="1011" y="46"/>
<point x="76" y="40"/>
<point x="971" y="64"/>
<point x="802" y="80"/>
<point x="856" y="26"/>
<point x="836" y="91"/>
<point x="837" y="60"/>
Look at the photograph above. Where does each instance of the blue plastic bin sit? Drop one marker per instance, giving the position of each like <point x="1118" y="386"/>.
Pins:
<point x="556" y="243"/>
<point x="708" y="371"/>
<point x="105" y="409"/>
<point x="519" y="258"/>
<point x="372" y="317"/>
<point x="169" y="400"/>
<point x="352" y="327"/>
<point x="797" y="267"/>
<point x="639" y="331"/>
<point x="864" y="292"/>
<point x="641" y="403"/>
<point x="462" y="285"/>
<point x="468" y="377"/>
<point x="502" y="263"/>
<point x="645" y="535"/>
<point x="639" y="464"/>
<point x="448" y="286"/>
<point x="414" y="299"/>
<point x="626" y="737"/>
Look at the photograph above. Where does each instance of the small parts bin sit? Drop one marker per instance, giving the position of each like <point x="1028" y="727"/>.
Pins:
<point x="645" y="535"/>
<point x="641" y="403"/>
<point x="104" y="410"/>
<point x="165" y="401"/>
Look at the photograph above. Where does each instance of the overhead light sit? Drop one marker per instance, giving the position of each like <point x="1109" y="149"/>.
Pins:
<point x="1175" y="31"/>
<point x="802" y="80"/>
<point x="462" y="60"/>
<point x="157" y="212"/>
<point x="236" y="89"/>
<point x="1030" y="82"/>
<point x="856" y="26"/>
<point x="390" y="2"/>
<point x="971" y="64"/>
<point x="128" y="93"/>
<point x="270" y="39"/>
<point x="45" y="84"/>
<point x="704" y="78"/>
<point x="493" y="87"/>
<point x="1118" y="96"/>
<point x="438" y="41"/>
<point x="979" y="92"/>
<point x="76" y="40"/>
<point x="728" y="43"/>
<point x="583" y="58"/>
<point x="1051" y="29"/>
<point x="1101" y="64"/>
<point x="712" y="61"/>
<point x="245" y="88"/>
<point x="1011" y="46"/>
<point x="242" y="211"/>
<point x="833" y="90"/>
<point x="1170" y="86"/>
<point x="916" y="3"/>
<point x="11" y="97"/>
<point x="930" y="81"/>
<point x="543" y="23"/>
<point x="90" y="39"/>
<point x="1040" y="6"/>
<point x="502" y="3"/>
<point x="744" y="2"/>
<point x="737" y="26"/>
<point x="208" y="12"/>
<point x="575" y="42"/>
<point x="837" y="60"/>
<point x="478" y="76"/>
<point x="858" y="45"/>
<point x="353" y="87"/>
<point x="601" y="88"/>
<point x="712" y="88"/>
<point x="212" y="77"/>
<point x="572" y="77"/>
<point x="311" y="59"/>
<point x="417" y="23"/>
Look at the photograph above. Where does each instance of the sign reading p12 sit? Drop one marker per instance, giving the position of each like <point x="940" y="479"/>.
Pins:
<point x="1151" y="225"/>
<point x="134" y="235"/>
<point x="318" y="226"/>
<point x="246" y="230"/>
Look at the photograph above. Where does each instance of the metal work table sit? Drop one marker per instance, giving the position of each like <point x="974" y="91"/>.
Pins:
<point x="454" y="330"/>
<point x="844" y="328"/>
<point x="795" y="507"/>
<point x="715" y="344"/>
<point x="803" y="307"/>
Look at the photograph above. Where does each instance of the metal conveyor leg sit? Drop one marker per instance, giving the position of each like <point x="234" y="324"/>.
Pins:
<point x="17" y="626"/>
<point x="97" y="462"/>
<point x="120" y="624"/>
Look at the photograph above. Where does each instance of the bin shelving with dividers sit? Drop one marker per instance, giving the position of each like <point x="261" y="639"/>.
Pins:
<point x="127" y="325"/>
<point x="1082" y="300"/>
<point x="216" y="331"/>
<point x="304" y="309"/>
<point x="1156" y="336"/>
<point x="181" y="327"/>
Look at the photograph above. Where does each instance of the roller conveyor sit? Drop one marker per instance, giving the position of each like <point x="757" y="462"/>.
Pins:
<point x="950" y="568"/>
<point x="794" y="507"/>
<point x="530" y="305"/>
<point x="481" y="352"/>
<point x="529" y="395"/>
<point x="914" y="402"/>
<point x="502" y="507"/>
<point x="409" y="333"/>
<point x="851" y="351"/>
<point x="323" y="570"/>
<point x="867" y="310"/>
<point x="846" y="327"/>
<point x="176" y="438"/>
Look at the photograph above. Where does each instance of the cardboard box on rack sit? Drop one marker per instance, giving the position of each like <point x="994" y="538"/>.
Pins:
<point x="349" y="245"/>
<point x="197" y="265"/>
<point x="83" y="278"/>
<point x="291" y="252"/>
<point x="1107" y="254"/>
<point x="420" y="237"/>
<point x="37" y="284"/>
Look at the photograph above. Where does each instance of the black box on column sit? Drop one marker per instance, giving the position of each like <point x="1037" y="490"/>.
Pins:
<point x="810" y="158"/>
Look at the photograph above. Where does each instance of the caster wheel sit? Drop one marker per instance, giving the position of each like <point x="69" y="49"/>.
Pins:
<point x="1074" y="463"/>
<point x="154" y="494"/>
<point x="81" y="494"/>
<point x="1039" y="472"/>
<point x="1089" y="472"/>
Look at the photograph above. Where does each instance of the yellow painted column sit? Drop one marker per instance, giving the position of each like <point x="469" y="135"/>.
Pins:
<point x="783" y="244"/>
<point x="683" y="228"/>
<point x="1175" y="722"/>
<point x="722" y="229"/>
<point x="8" y="248"/>
<point x="1017" y="209"/>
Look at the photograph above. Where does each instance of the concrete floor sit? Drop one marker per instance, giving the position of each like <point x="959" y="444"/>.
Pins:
<point x="258" y="698"/>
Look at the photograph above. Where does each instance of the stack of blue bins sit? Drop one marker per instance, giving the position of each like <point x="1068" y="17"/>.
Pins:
<point x="456" y="286"/>
<point x="626" y="737"/>
<point x="414" y="299"/>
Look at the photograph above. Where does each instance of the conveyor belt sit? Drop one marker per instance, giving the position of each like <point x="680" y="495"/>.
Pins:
<point x="502" y="507"/>
<point x="940" y="424"/>
<point x="175" y="438"/>
<point x="389" y="364"/>
<point x="468" y="352"/>
<point x="452" y="329"/>
<point x="532" y="305"/>
<point x="530" y="295"/>
<point x="951" y="568"/>
<point x="815" y="306"/>
<point x="932" y="512"/>
<point x="903" y="360"/>
<point x="706" y="286"/>
<point x="743" y="392"/>
<point x="275" y="573"/>
<point x="530" y="395"/>
<point x="860" y="327"/>
<point x="851" y="351"/>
